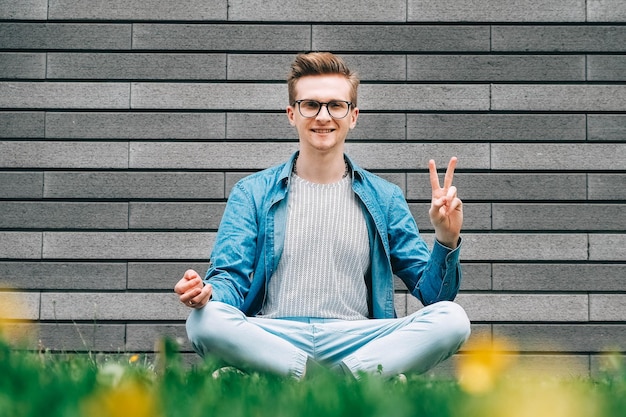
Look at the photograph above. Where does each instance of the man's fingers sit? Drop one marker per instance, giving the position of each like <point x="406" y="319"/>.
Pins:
<point x="434" y="179"/>
<point x="447" y="181"/>
<point x="191" y="274"/>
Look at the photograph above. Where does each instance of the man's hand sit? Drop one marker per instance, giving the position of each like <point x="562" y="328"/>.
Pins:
<point x="192" y="291"/>
<point x="446" y="209"/>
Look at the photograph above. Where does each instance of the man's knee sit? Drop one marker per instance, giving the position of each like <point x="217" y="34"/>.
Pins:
<point x="457" y="322"/>
<point x="207" y="325"/>
<point x="452" y="320"/>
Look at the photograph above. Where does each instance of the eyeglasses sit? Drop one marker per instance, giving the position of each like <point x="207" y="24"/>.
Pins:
<point x="337" y="109"/>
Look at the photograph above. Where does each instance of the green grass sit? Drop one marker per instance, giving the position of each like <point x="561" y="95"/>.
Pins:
<point x="64" y="385"/>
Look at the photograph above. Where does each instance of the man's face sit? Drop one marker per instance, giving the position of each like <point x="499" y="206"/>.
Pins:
<point x="322" y="132"/>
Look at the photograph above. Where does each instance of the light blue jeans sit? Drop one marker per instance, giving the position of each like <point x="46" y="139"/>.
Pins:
<point x="414" y="343"/>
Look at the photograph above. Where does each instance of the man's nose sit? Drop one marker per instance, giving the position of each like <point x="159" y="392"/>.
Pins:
<point x="324" y="113"/>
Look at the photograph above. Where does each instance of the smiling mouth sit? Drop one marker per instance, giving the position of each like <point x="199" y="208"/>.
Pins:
<point x="323" y="130"/>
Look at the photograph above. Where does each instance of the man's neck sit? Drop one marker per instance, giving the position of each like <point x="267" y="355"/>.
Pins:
<point x="321" y="168"/>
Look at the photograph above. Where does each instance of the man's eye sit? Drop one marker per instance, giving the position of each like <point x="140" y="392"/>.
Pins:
<point x="310" y="104"/>
<point x="337" y="105"/>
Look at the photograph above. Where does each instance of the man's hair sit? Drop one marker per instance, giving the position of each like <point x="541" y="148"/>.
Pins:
<point x="320" y="63"/>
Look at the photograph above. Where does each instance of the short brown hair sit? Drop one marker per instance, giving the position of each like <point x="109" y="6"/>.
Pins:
<point x="320" y="63"/>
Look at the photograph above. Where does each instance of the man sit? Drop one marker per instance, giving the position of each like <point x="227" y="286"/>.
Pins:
<point x="301" y="272"/>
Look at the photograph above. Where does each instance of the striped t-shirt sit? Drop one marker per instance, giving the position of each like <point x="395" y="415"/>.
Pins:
<point x="325" y="256"/>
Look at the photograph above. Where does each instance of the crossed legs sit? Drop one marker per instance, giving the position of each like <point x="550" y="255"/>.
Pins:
<point x="415" y="343"/>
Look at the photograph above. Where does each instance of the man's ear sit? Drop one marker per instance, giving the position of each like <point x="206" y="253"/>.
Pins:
<point x="291" y="116"/>
<point x="353" y="116"/>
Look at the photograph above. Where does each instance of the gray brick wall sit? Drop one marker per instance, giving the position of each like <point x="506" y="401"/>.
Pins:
<point x="123" y="127"/>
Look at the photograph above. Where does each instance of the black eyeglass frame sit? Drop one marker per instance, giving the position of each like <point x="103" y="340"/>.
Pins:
<point x="321" y="104"/>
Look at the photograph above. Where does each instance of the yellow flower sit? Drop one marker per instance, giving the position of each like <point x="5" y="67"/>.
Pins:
<point x="479" y="370"/>
<point x="541" y="397"/>
<point x="13" y="324"/>
<point x="133" y="358"/>
<point x="129" y="398"/>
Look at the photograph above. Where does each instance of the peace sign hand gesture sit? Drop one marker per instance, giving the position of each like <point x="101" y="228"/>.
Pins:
<point x="446" y="209"/>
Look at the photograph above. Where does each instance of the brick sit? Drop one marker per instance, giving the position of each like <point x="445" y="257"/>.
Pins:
<point x="496" y="127"/>
<point x="209" y="96"/>
<point x="272" y="67"/>
<point x="138" y="10"/>
<point x="559" y="97"/>
<point x="160" y="275"/>
<point x="64" y="275"/>
<point x="201" y="216"/>
<point x="76" y="337"/>
<point x="136" y="66"/>
<point x="610" y="127"/>
<point x="502" y="187"/>
<point x="52" y="36"/>
<point x="22" y="65"/>
<point x="317" y="10"/>
<point x="476" y="276"/>
<point x="421" y="97"/>
<point x="524" y="247"/>
<point x="607" y="186"/>
<point x="15" y="305"/>
<point x="258" y="67"/>
<point x="525" y="307"/>
<point x="496" y="11"/>
<point x="142" y="337"/>
<point x="372" y="67"/>
<point x="591" y="217"/>
<point x="64" y="95"/>
<point x="21" y="125"/>
<point x="558" y="38"/>
<point x="476" y="216"/>
<point x="559" y="277"/>
<point x="24" y="9"/>
<point x="606" y="11"/>
<point x="64" y="154"/>
<point x="21" y="184"/>
<point x="222" y="37"/>
<point x="400" y="38"/>
<point x="607" y="247"/>
<point x="134" y="185"/>
<point x="20" y="245"/>
<point x="127" y="245"/>
<point x="77" y="125"/>
<point x="561" y="337"/>
<point x="257" y="126"/>
<point x="208" y="155"/>
<point x="59" y="215"/>
<point x="493" y="68"/>
<point x="607" y="307"/>
<point x="112" y="306"/>
<point x="606" y="68"/>
<point x="401" y="156"/>
<point x="571" y="156"/>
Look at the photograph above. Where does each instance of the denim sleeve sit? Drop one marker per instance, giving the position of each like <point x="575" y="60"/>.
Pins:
<point x="431" y="276"/>
<point x="234" y="251"/>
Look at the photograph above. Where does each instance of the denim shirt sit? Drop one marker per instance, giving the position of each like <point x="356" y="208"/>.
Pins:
<point x="251" y="235"/>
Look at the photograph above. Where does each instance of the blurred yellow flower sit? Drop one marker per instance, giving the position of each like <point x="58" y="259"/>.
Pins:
<point x="541" y="397"/>
<point x="129" y="398"/>
<point x="14" y="324"/>
<point x="479" y="370"/>
<point x="133" y="358"/>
